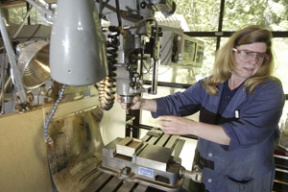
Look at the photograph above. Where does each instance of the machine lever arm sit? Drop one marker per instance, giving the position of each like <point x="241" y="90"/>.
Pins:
<point x="194" y="175"/>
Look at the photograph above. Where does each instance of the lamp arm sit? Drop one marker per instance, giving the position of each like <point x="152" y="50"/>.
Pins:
<point x="15" y="75"/>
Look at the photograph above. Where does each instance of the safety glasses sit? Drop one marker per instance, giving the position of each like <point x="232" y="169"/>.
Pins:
<point x="245" y="55"/>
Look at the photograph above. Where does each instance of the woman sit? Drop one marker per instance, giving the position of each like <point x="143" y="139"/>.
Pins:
<point x="240" y="105"/>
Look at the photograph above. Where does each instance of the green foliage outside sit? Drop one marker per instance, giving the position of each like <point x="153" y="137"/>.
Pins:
<point x="203" y="15"/>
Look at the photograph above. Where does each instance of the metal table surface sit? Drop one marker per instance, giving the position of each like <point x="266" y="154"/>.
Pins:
<point x="156" y="139"/>
<point x="281" y="171"/>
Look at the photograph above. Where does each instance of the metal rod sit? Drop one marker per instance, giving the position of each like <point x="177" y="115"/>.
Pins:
<point x="2" y="98"/>
<point x="154" y="77"/>
<point x="15" y="73"/>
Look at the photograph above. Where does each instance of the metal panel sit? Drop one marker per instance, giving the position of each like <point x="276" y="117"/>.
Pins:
<point x="127" y="187"/>
<point x="156" y="157"/>
<point x="141" y="188"/>
<point x="101" y="182"/>
<point x="172" y="141"/>
<point x="113" y="185"/>
<point x="24" y="165"/>
<point x="163" y="140"/>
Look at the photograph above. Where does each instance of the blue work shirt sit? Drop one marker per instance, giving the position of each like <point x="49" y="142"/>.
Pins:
<point x="251" y="122"/>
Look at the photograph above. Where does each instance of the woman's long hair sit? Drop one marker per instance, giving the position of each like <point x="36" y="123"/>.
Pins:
<point x="225" y="62"/>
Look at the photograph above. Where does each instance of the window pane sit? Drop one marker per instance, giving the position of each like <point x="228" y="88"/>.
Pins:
<point x="201" y="15"/>
<point x="209" y="57"/>
<point x="280" y="47"/>
<point x="263" y="12"/>
<point x="15" y="15"/>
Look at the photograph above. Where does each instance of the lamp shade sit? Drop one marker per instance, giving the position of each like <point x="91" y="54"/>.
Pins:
<point x="77" y="47"/>
<point x="34" y="64"/>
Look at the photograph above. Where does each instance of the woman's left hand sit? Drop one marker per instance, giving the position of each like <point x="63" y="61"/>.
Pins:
<point x="176" y="125"/>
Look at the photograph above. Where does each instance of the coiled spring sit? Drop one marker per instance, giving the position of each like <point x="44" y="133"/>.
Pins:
<point x="107" y="87"/>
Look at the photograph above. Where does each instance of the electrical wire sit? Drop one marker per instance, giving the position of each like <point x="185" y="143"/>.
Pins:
<point x="118" y="13"/>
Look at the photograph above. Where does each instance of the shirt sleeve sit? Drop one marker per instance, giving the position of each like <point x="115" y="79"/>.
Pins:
<point x="181" y="103"/>
<point x="259" y="118"/>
